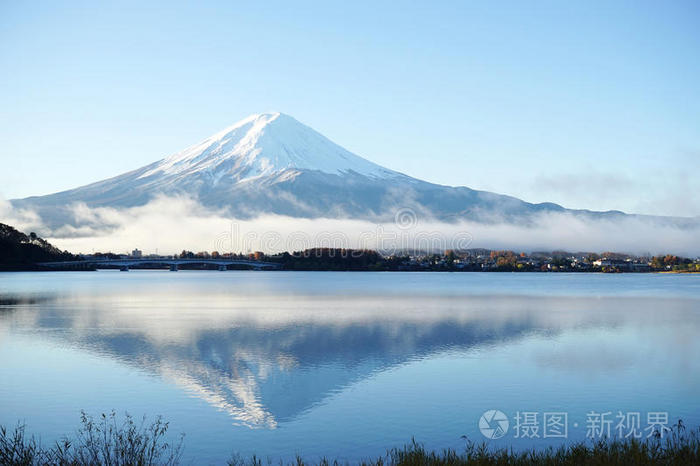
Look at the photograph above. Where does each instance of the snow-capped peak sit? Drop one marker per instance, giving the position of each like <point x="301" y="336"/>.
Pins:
<point x="265" y="144"/>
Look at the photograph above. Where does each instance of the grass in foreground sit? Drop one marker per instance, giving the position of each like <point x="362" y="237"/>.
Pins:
<point x="107" y="441"/>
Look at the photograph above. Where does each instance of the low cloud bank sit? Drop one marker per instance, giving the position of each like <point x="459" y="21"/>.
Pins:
<point x="24" y="220"/>
<point x="170" y="224"/>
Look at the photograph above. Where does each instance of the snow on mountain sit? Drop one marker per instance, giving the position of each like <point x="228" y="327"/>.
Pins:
<point x="263" y="145"/>
<point x="271" y="163"/>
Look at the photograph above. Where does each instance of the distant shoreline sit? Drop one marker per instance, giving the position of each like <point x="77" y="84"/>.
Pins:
<point x="665" y="272"/>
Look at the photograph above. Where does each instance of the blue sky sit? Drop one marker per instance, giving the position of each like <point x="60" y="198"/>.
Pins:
<point x="592" y="105"/>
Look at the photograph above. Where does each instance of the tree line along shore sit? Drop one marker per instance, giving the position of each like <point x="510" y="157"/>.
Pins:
<point x="19" y="251"/>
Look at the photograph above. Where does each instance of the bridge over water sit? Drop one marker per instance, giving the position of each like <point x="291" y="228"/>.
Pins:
<point x="173" y="264"/>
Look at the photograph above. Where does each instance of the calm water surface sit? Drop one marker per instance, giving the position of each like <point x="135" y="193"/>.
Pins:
<point x="344" y="364"/>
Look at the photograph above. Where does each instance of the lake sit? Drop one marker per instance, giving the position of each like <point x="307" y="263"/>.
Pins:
<point x="350" y="364"/>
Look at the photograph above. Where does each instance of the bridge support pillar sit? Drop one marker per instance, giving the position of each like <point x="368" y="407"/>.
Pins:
<point x="173" y="267"/>
<point x="124" y="268"/>
<point x="222" y="268"/>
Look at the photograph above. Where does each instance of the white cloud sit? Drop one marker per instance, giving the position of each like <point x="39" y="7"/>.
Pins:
<point x="24" y="220"/>
<point x="170" y="225"/>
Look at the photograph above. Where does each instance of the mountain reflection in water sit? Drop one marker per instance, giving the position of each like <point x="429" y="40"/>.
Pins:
<point x="265" y="360"/>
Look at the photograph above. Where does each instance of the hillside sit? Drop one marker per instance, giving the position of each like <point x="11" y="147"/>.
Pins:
<point x="21" y="252"/>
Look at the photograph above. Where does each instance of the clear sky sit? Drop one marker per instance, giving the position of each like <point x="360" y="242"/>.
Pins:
<point x="593" y="105"/>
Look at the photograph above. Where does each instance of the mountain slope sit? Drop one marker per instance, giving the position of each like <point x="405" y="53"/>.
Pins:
<point x="262" y="145"/>
<point x="19" y="251"/>
<point x="271" y="163"/>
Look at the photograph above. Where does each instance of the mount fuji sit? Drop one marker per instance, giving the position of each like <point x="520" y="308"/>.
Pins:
<point x="272" y="164"/>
